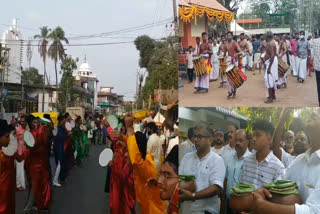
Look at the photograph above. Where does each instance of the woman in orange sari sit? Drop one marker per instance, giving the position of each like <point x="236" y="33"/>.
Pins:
<point x="144" y="168"/>
<point x="37" y="168"/>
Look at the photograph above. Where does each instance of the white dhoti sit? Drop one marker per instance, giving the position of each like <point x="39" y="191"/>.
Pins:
<point x="294" y="65"/>
<point x="250" y="61"/>
<point x="257" y="59"/>
<point x="270" y="79"/>
<point x="302" y="68"/>
<point x="202" y="82"/>
<point x="21" y="182"/>
<point x="244" y="62"/>
<point x="214" y="75"/>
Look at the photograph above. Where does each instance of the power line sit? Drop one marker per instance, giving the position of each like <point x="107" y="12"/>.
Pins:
<point x="107" y="34"/>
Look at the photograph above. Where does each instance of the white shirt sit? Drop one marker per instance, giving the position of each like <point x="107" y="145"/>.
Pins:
<point x="172" y="143"/>
<point x="154" y="146"/>
<point x="12" y="147"/>
<point x="190" y="58"/>
<point x="218" y="151"/>
<point x="305" y="171"/>
<point x="286" y="158"/>
<point x="208" y="171"/>
<point x="260" y="174"/>
<point x="316" y="54"/>
<point x="182" y="148"/>
<point x="228" y="152"/>
<point x="215" y="57"/>
<point x="136" y="127"/>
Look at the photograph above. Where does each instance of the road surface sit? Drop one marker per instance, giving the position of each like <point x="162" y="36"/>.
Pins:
<point x="252" y="94"/>
<point x="84" y="191"/>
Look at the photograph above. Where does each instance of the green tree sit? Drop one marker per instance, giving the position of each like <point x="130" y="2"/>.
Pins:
<point x="31" y="76"/>
<point x="67" y="81"/>
<point x="145" y="45"/>
<point x="162" y="65"/>
<point x="43" y="46"/>
<point x="56" y="50"/>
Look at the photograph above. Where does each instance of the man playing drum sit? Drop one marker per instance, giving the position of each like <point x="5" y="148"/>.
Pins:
<point x="222" y="60"/>
<point x="244" y="46"/>
<point x="283" y="50"/>
<point x="202" y="82"/>
<point x="271" y="63"/>
<point x="233" y="50"/>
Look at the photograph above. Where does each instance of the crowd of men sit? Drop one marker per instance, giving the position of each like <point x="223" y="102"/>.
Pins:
<point x="219" y="161"/>
<point x="265" y="52"/>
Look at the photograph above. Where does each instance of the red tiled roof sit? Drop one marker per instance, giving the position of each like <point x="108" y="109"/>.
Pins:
<point x="248" y="21"/>
<point x="213" y="4"/>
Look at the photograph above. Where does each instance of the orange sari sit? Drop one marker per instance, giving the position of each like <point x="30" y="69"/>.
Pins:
<point x="149" y="199"/>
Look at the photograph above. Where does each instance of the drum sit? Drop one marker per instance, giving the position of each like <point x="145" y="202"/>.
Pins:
<point x="241" y="197"/>
<point x="28" y="139"/>
<point x="105" y="157"/>
<point x="284" y="192"/>
<point x="234" y="76"/>
<point x="44" y="121"/>
<point x="223" y="65"/>
<point x="283" y="67"/>
<point x="187" y="182"/>
<point x="199" y="66"/>
<point x="113" y="121"/>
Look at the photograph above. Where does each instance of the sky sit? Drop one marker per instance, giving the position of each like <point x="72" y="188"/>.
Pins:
<point x="115" y="65"/>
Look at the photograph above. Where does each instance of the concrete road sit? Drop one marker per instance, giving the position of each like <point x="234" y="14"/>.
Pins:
<point x="84" y="191"/>
<point x="252" y="94"/>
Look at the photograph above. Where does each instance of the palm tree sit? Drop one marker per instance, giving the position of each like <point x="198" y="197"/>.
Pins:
<point x="43" y="47"/>
<point x="56" y="50"/>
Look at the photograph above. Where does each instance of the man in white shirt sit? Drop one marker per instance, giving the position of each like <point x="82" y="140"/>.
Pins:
<point x="262" y="166"/>
<point x="209" y="171"/>
<point x="174" y="140"/>
<point x="154" y="145"/>
<point x="190" y="64"/>
<point x="214" y="75"/>
<point x="316" y="61"/>
<point x="229" y="148"/>
<point x="305" y="171"/>
<point x="218" y="142"/>
<point x="186" y="144"/>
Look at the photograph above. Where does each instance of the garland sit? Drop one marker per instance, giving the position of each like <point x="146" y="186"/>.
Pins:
<point x="188" y="13"/>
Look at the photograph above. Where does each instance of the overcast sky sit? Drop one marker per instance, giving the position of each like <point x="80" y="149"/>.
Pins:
<point x="115" y="65"/>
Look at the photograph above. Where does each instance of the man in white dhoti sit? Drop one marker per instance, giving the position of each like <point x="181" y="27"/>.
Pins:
<point x="250" y="55"/>
<point x="202" y="82"/>
<point x="214" y="75"/>
<point x="271" y="63"/>
<point x="244" y="46"/>
<point x="232" y="49"/>
<point x="302" y="50"/>
<point x="293" y="54"/>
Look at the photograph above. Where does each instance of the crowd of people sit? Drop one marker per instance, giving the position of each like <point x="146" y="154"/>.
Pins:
<point x="219" y="161"/>
<point x="144" y="168"/>
<point x="275" y="54"/>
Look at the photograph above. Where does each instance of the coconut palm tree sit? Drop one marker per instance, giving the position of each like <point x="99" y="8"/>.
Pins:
<point x="43" y="47"/>
<point x="56" y="50"/>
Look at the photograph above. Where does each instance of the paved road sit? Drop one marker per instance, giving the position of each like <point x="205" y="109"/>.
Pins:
<point x="252" y="94"/>
<point x="84" y="191"/>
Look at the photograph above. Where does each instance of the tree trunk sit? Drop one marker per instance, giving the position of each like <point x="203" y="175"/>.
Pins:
<point x="44" y="83"/>
<point x="55" y="67"/>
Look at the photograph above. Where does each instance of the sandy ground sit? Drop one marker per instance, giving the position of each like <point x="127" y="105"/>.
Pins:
<point x="252" y="94"/>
